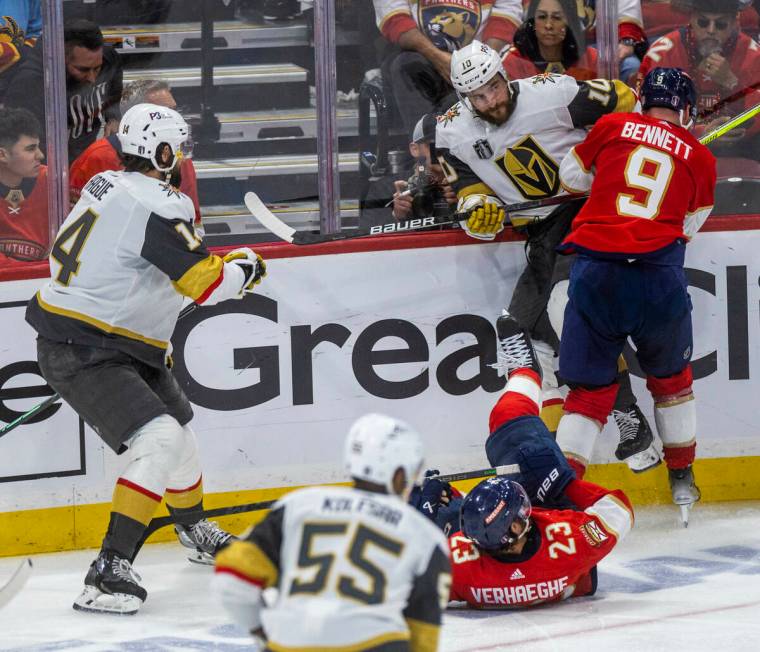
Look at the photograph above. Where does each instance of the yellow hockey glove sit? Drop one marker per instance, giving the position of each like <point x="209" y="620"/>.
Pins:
<point x="486" y="216"/>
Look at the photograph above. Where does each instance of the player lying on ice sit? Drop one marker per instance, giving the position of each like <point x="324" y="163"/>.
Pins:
<point x="508" y="553"/>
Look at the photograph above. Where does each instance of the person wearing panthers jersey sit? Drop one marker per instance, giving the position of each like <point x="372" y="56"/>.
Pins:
<point x="652" y="187"/>
<point x="534" y="536"/>
<point x="422" y="35"/>
<point x="355" y="567"/>
<point x="502" y="144"/>
<point x="24" y="230"/>
<point x="124" y="260"/>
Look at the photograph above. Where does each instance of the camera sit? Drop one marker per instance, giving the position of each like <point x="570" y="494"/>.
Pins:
<point x="427" y="198"/>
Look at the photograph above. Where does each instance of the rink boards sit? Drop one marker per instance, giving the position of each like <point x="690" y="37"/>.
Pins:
<point x="341" y="329"/>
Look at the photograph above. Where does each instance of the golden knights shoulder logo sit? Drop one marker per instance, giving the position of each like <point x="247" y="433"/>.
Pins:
<point x="533" y="172"/>
<point x="449" y="24"/>
<point x="449" y="115"/>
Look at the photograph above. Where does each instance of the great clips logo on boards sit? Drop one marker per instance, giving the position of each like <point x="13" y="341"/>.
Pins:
<point x="358" y="352"/>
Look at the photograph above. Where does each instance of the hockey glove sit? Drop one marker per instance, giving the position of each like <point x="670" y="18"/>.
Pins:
<point x="251" y="263"/>
<point x="438" y="501"/>
<point x="485" y="216"/>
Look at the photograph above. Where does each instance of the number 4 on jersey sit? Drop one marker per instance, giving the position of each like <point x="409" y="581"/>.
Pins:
<point x="69" y="243"/>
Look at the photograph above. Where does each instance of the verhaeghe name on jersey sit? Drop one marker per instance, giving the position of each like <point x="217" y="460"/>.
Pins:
<point x="520" y="594"/>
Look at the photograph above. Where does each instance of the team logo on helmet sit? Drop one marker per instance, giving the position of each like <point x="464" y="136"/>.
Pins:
<point x="449" y="25"/>
<point x="533" y="172"/>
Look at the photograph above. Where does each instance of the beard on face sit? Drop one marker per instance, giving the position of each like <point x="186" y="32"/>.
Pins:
<point x="707" y="46"/>
<point x="175" y="176"/>
<point x="502" y="113"/>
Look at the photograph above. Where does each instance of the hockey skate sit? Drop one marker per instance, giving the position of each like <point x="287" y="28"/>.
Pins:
<point x="636" y="447"/>
<point x="111" y="586"/>
<point x="204" y="538"/>
<point x="515" y="347"/>
<point x="685" y="492"/>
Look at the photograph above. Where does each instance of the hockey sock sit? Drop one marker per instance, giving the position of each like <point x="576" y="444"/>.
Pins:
<point x="576" y="436"/>
<point x="181" y="501"/>
<point x="153" y="451"/>
<point x="184" y="490"/>
<point x="133" y="507"/>
<point x="552" y="410"/>
<point x="675" y="415"/>
<point x="520" y="398"/>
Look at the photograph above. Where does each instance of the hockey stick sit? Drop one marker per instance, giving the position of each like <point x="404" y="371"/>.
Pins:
<point x="731" y="124"/>
<point x="289" y="234"/>
<point x="16" y="583"/>
<point x="162" y="521"/>
<point x="276" y="226"/>
<point x="50" y="400"/>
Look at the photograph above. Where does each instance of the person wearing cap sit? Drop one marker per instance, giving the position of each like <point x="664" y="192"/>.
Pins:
<point x="379" y="210"/>
<point x="725" y="66"/>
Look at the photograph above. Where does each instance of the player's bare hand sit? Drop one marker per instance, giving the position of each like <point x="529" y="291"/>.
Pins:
<point x="402" y="203"/>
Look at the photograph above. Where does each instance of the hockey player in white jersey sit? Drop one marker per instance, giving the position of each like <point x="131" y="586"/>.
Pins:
<point x="503" y="144"/>
<point x="122" y="263"/>
<point x="356" y="568"/>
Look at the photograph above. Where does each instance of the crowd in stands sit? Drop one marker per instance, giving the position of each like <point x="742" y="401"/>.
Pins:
<point x="713" y="40"/>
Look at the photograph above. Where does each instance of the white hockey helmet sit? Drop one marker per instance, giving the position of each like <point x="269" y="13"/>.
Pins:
<point x="377" y="445"/>
<point x="473" y="66"/>
<point x="146" y="128"/>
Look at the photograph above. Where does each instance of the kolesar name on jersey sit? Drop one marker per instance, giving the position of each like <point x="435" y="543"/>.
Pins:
<point x="657" y="136"/>
<point x="520" y="594"/>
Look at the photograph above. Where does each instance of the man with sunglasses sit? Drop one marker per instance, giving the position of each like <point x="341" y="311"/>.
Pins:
<point x="725" y="66"/>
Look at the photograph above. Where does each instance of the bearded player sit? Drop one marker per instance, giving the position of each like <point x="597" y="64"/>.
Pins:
<point x="503" y="144"/>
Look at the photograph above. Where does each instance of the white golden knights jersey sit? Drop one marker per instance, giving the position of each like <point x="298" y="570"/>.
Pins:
<point x="519" y="160"/>
<point x="122" y="261"/>
<point x="355" y="570"/>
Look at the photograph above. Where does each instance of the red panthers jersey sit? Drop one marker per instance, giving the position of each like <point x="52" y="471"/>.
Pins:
<point x="653" y="183"/>
<point x="557" y="562"/>
<point x="24" y="230"/>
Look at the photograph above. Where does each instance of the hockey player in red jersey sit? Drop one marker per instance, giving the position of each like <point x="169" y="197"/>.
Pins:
<point x="508" y="553"/>
<point x="652" y="185"/>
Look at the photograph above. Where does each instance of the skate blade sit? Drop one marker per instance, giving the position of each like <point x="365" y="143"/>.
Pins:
<point x="94" y="600"/>
<point x="685" y="514"/>
<point x="200" y="558"/>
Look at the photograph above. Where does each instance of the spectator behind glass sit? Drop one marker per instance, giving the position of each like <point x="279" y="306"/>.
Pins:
<point x="551" y="40"/>
<point x="20" y="27"/>
<point x="24" y="231"/>
<point x="426" y="32"/>
<point x="93" y="85"/>
<point x="387" y="198"/>
<point x="725" y="66"/>
<point x="105" y="153"/>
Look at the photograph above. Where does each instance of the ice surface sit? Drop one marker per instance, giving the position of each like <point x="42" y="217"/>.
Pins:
<point x="664" y="588"/>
